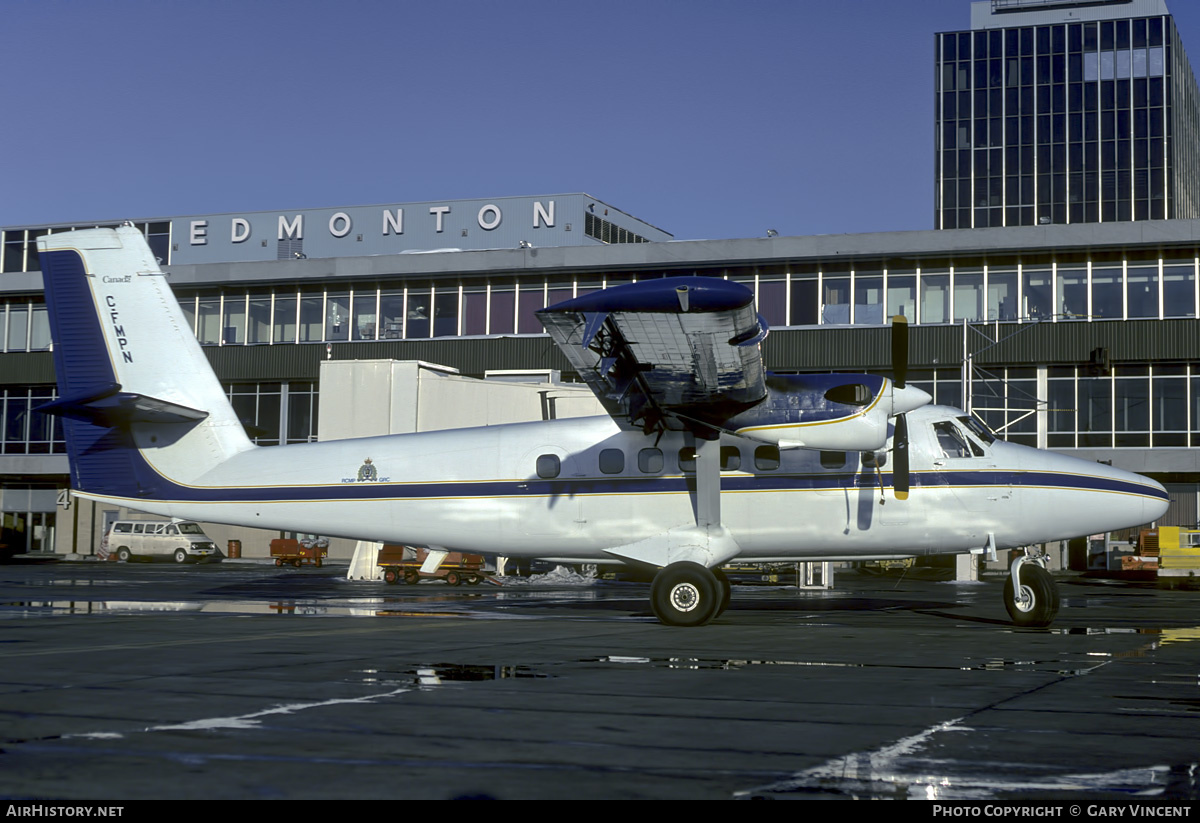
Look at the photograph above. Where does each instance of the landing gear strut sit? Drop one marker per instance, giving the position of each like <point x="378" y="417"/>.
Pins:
<point x="687" y="594"/>
<point x="1035" y="602"/>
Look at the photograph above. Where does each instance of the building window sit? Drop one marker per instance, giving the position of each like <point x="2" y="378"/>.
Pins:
<point x="266" y="410"/>
<point x="301" y="414"/>
<point x="233" y="320"/>
<point x="26" y="431"/>
<point x="258" y="326"/>
<point x="258" y="407"/>
<point x="208" y="321"/>
<point x="391" y="315"/>
<point x="935" y="298"/>
<point x="363" y="323"/>
<point x="285" y="318"/>
<point x="835" y="303"/>
<point x="418" y="314"/>
<point x="445" y="311"/>
<point x="312" y="317"/>
<point x="337" y="316"/>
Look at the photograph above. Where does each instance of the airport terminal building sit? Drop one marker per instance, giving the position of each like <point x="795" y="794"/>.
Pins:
<point x="1057" y="298"/>
<point x="1081" y="338"/>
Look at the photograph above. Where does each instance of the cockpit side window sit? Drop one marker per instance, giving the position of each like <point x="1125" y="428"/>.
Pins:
<point x="953" y="442"/>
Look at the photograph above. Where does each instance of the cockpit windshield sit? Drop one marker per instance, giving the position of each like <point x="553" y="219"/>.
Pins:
<point x="953" y="442"/>
<point x="978" y="428"/>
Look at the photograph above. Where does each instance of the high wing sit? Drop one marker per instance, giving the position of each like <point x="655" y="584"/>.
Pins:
<point x="683" y="353"/>
<point x="659" y="352"/>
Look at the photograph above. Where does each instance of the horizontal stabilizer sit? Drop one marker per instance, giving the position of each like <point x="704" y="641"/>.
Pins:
<point x="109" y="406"/>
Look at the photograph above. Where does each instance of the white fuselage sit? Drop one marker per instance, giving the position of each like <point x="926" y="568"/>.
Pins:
<point x="479" y="490"/>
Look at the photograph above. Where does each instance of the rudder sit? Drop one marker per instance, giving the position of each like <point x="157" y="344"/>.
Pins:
<point x="141" y="404"/>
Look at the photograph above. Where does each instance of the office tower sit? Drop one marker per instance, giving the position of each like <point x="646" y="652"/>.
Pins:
<point x="1062" y="111"/>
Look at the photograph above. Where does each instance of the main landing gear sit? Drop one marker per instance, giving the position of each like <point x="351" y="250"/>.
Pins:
<point x="1035" y="603"/>
<point x="688" y="594"/>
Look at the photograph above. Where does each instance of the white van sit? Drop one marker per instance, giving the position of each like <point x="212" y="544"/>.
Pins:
<point x="180" y="539"/>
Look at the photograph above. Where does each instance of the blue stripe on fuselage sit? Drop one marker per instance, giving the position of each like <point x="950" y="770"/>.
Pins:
<point x="675" y="484"/>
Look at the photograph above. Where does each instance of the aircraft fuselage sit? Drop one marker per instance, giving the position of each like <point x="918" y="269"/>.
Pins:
<point x="569" y="489"/>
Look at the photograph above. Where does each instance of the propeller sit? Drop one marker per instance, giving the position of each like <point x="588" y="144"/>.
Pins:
<point x="900" y="457"/>
<point x="900" y="473"/>
<point x="900" y="350"/>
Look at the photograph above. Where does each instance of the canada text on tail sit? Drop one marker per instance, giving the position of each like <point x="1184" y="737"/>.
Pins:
<point x="142" y="408"/>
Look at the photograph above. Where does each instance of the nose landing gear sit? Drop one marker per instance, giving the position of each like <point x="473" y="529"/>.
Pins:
<point x="1034" y="602"/>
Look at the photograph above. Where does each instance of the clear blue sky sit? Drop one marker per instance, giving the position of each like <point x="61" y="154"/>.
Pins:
<point x="707" y="119"/>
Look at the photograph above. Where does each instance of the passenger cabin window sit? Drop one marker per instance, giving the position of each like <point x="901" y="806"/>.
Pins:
<point x="612" y="461"/>
<point x="766" y="458"/>
<point x="548" y="465"/>
<point x="872" y="460"/>
<point x="650" y="461"/>
<point x="833" y="460"/>
<point x="687" y="459"/>
<point x="731" y="459"/>
<point x="138" y="528"/>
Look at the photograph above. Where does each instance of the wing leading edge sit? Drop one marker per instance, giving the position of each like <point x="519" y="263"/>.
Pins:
<point x="663" y="353"/>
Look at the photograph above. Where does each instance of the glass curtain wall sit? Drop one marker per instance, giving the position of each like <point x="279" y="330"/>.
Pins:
<point x="1099" y="287"/>
<point x="1066" y="122"/>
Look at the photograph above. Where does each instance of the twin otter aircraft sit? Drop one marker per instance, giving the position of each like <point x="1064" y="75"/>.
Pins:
<point x="703" y="459"/>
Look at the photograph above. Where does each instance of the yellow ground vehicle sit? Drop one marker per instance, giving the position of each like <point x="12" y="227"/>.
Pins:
<point x="1178" y="552"/>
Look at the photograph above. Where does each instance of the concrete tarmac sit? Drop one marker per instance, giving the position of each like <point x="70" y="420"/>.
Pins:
<point x="133" y="681"/>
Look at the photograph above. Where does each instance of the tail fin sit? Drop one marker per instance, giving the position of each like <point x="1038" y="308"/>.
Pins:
<point x="143" y="408"/>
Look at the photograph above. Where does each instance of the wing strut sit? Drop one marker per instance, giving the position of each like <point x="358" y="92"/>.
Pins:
<point x="708" y="482"/>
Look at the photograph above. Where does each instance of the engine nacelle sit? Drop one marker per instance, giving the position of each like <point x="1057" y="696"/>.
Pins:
<point x="835" y="412"/>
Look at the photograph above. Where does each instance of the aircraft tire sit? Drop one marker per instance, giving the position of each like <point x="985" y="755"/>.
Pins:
<point x="685" y="594"/>
<point x="726" y="589"/>
<point x="1038" y="585"/>
<point x="124" y="555"/>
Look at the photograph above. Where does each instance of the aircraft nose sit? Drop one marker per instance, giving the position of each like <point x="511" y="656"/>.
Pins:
<point x="908" y="398"/>
<point x="1154" y="507"/>
<point x="1138" y="499"/>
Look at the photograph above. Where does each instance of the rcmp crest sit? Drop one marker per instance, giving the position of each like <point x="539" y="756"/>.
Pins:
<point x="367" y="472"/>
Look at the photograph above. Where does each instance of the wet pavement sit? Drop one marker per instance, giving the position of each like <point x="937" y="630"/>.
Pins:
<point x="246" y="681"/>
